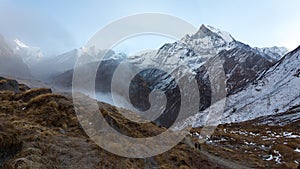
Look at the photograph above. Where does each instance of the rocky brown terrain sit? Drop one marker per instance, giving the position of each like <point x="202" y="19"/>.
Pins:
<point x="39" y="129"/>
<point x="258" y="144"/>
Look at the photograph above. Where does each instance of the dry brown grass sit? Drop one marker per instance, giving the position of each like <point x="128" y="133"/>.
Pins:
<point x="263" y="143"/>
<point x="10" y="141"/>
<point x="46" y="126"/>
<point x="31" y="93"/>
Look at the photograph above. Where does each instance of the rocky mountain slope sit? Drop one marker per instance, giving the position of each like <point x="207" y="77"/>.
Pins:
<point x="266" y="142"/>
<point x="277" y="90"/>
<point x="275" y="52"/>
<point x="193" y="49"/>
<point x="198" y="53"/>
<point x="103" y="78"/>
<point x="274" y="91"/>
<point x="240" y="67"/>
<point x="40" y="129"/>
<point x="50" y="67"/>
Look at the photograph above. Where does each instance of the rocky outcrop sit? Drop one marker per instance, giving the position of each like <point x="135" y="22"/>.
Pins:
<point x="8" y="84"/>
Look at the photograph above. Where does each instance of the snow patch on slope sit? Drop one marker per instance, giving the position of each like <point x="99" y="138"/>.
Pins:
<point x="20" y="44"/>
<point x="30" y="55"/>
<point x="276" y="53"/>
<point x="225" y="35"/>
<point x="277" y="90"/>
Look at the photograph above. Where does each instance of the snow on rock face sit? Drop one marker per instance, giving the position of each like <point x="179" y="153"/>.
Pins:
<point x="211" y="39"/>
<point x="54" y="66"/>
<point x="30" y="55"/>
<point x="281" y="119"/>
<point x="277" y="90"/>
<point x="194" y="50"/>
<point x="191" y="51"/>
<point x="274" y="52"/>
<point x="241" y="67"/>
<point x="20" y="44"/>
<point x="225" y="35"/>
<point x="208" y="45"/>
<point x="10" y="63"/>
<point x="144" y="59"/>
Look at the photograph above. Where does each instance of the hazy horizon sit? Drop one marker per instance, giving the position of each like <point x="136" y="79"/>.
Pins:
<point x="58" y="27"/>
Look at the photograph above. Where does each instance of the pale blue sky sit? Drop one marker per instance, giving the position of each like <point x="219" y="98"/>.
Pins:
<point x="61" y="25"/>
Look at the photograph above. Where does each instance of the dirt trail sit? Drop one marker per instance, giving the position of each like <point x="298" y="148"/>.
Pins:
<point x="218" y="160"/>
<point x="224" y="162"/>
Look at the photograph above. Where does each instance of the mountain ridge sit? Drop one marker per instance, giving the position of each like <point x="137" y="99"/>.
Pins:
<point x="273" y="92"/>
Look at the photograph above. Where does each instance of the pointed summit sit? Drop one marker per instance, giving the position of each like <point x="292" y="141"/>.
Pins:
<point x="20" y="44"/>
<point x="206" y="30"/>
<point x="225" y="35"/>
<point x="30" y="54"/>
<point x="203" y="28"/>
<point x="202" y="32"/>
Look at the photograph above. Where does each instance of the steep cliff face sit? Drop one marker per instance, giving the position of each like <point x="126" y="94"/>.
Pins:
<point x="241" y="67"/>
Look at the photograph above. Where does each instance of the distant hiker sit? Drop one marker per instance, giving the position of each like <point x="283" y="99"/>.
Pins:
<point x="198" y="146"/>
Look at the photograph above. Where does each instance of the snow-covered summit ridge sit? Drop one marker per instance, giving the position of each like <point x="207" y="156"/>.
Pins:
<point x="225" y="35"/>
<point x="207" y="30"/>
<point x="193" y="50"/>
<point x="29" y="54"/>
<point x="20" y="44"/>
<point x="208" y="37"/>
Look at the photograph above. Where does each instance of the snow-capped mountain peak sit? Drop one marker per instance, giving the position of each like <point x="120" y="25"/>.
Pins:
<point x="193" y="50"/>
<point x="20" y="44"/>
<point x="225" y="35"/>
<point x="11" y="64"/>
<point x="209" y="31"/>
<point x="29" y="54"/>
